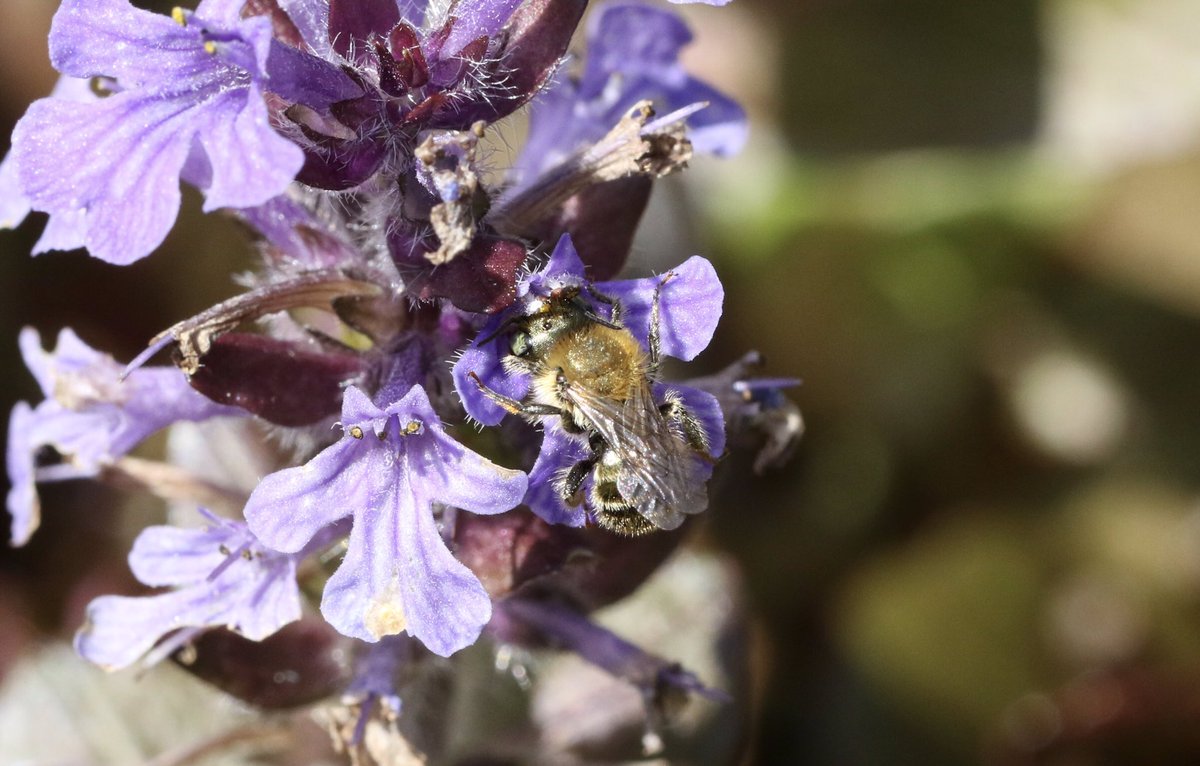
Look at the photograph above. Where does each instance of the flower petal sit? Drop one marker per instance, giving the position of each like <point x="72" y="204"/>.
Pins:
<point x="163" y="555"/>
<point x="251" y="163"/>
<point x="484" y="361"/>
<point x="90" y="38"/>
<point x="254" y="594"/>
<point x="559" y="452"/>
<point x="129" y="150"/>
<point x="14" y="206"/>
<point x="398" y="575"/>
<point x="290" y="506"/>
<point x="690" y="306"/>
<point x="22" y="500"/>
<point x="120" y="629"/>
<point x="445" y="604"/>
<point x="470" y="481"/>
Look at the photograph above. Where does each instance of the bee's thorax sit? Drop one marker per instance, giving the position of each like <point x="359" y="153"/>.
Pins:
<point x="607" y="361"/>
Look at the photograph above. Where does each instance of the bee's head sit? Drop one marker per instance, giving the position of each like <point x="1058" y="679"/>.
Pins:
<point x="546" y="320"/>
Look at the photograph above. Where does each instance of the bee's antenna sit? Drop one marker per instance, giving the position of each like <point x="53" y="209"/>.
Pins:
<point x="503" y="326"/>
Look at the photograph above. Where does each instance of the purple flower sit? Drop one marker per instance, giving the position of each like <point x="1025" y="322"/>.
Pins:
<point x="223" y="577"/>
<point x="689" y="308"/>
<point x="187" y="100"/>
<point x="91" y="417"/>
<point x="390" y="470"/>
<point x="633" y="54"/>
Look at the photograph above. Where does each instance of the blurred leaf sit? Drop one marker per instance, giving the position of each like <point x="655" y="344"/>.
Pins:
<point x="943" y="627"/>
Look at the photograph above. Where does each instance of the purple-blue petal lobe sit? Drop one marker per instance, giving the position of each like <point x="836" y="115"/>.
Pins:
<point x="290" y="506"/>
<point x="471" y="482"/>
<point x="558" y="454"/>
<point x="399" y="576"/>
<point x="251" y="163"/>
<point x="300" y="77"/>
<point x="91" y="38"/>
<point x="484" y="361"/>
<point x="393" y="467"/>
<point x="124" y="184"/>
<point x="166" y="556"/>
<point x="565" y="268"/>
<point x="689" y="308"/>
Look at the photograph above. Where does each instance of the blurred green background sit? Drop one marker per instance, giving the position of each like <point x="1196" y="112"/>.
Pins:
<point x="973" y="230"/>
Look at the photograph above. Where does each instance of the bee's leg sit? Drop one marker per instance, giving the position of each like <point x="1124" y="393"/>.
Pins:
<point x="654" y="338"/>
<point x="512" y="405"/>
<point x="616" y="309"/>
<point x="675" y="411"/>
<point x="575" y="477"/>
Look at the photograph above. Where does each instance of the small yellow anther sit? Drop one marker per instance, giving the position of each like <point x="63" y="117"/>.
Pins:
<point x="356" y="432"/>
<point x="413" y="427"/>
<point x="177" y="13"/>
<point x="210" y="48"/>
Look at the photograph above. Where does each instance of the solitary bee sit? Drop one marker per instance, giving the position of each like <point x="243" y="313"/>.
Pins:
<point x="592" y="373"/>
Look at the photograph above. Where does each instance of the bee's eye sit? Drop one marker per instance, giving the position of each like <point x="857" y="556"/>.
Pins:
<point x="520" y="343"/>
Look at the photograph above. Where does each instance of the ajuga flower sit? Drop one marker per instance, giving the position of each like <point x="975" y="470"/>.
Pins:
<point x="91" y="416"/>
<point x="222" y="577"/>
<point x="187" y="98"/>
<point x="392" y="467"/>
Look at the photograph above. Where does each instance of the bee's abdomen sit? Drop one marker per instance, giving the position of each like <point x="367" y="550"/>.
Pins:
<point x="624" y="521"/>
<point x="612" y="511"/>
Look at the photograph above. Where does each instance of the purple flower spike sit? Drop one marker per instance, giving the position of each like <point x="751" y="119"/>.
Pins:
<point x="390" y="468"/>
<point x="223" y="576"/>
<point x="690" y="307"/>
<point x="91" y="417"/>
<point x="192" y="83"/>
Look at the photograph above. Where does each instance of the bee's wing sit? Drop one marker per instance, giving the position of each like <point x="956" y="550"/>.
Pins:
<point x="658" y="473"/>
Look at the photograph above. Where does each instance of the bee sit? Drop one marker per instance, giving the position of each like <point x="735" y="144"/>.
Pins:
<point x="594" y="375"/>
